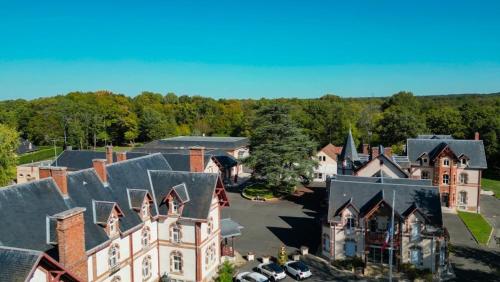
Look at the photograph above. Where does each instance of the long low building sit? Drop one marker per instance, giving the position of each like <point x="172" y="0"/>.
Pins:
<point x="129" y="220"/>
<point x="359" y="216"/>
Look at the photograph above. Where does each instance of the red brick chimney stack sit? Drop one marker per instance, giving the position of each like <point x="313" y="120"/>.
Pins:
<point x="121" y="156"/>
<point x="109" y="154"/>
<point x="44" y="172"/>
<point x="60" y="176"/>
<point x="365" y="149"/>
<point x="100" y="169"/>
<point x="71" y="241"/>
<point x="476" y="136"/>
<point x="197" y="159"/>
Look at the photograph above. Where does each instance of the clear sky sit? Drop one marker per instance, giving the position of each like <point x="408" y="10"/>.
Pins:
<point x="249" y="49"/>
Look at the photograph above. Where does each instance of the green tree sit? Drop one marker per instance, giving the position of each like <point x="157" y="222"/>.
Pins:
<point x="226" y="272"/>
<point x="445" y="120"/>
<point x="280" y="151"/>
<point x="9" y="140"/>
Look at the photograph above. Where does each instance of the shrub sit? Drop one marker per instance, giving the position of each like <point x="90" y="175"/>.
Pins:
<point x="226" y="272"/>
<point x="349" y="263"/>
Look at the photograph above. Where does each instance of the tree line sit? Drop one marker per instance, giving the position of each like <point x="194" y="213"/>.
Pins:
<point x="85" y="120"/>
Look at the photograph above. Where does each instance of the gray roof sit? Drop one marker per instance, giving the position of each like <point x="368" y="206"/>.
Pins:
<point x="422" y="182"/>
<point x="184" y="142"/>
<point x="434" y="136"/>
<point x="472" y="149"/>
<point x="24" y="209"/>
<point x="102" y="211"/>
<point x="349" y="149"/>
<point x="82" y="159"/>
<point x="230" y="228"/>
<point x="137" y="197"/>
<point x="365" y="194"/>
<point x="16" y="264"/>
<point x="200" y="188"/>
<point x="25" y="146"/>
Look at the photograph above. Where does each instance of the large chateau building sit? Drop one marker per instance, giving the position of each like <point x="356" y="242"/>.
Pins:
<point x="120" y="220"/>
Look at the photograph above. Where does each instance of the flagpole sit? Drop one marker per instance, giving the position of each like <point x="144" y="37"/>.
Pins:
<point x="391" y="250"/>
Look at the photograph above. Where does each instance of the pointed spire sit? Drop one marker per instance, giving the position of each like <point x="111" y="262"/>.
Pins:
<point x="349" y="149"/>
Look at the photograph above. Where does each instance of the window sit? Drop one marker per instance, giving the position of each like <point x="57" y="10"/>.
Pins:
<point x="145" y="210"/>
<point x="462" y="198"/>
<point x="424" y="161"/>
<point x="326" y="243"/>
<point x="463" y="161"/>
<point x="320" y="175"/>
<point x="350" y="224"/>
<point x="210" y="225"/>
<point x="146" y="268"/>
<point x="415" y="231"/>
<point x="212" y="252"/>
<point x="373" y="225"/>
<point x="175" y="206"/>
<point x="350" y="248"/>
<point x="113" y="224"/>
<point x="446" y="162"/>
<point x="146" y="236"/>
<point x="113" y="256"/>
<point x="464" y="178"/>
<point x="176" y="233"/>
<point x="241" y="154"/>
<point x="424" y="175"/>
<point x="446" y="179"/>
<point x="176" y="262"/>
<point x="416" y="256"/>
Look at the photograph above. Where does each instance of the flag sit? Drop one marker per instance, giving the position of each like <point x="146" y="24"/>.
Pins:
<point x="387" y="238"/>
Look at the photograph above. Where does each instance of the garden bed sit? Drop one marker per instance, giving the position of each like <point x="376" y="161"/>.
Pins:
<point x="477" y="225"/>
<point x="257" y="191"/>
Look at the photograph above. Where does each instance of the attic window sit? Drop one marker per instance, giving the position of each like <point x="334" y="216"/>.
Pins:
<point x="175" y="206"/>
<point x="145" y="210"/>
<point x="424" y="160"/>
<point x="463" y="161"/>
<point x="113" y="224"/>
<point x="446" y="162"/>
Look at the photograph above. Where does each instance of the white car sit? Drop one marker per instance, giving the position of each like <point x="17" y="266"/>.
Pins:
<point x="251" y="277"/>
<point x="298" y="270"/>
<point x="272" y="270"/>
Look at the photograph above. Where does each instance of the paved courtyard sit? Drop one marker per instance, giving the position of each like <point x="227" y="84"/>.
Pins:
<point x="291" y="223"/>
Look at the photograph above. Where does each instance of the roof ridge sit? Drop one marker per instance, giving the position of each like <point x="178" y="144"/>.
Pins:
<point x="20" y="185"/>
<point x="386" y="183"/>
<point x="134" y="159"/>
<point x="21" y="249"/>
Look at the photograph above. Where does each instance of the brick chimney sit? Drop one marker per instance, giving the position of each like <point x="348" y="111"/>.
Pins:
<point x="71" y="241"/>
<point x="109" y="154"/>
<point x="100" y="168"/>
<point x="121" y="156"/>
<point x="197" y="159"/>
<point x="476" y="136"/>
<point x="388" y="151"/>
<point x="59" y="174"/>
<point x="44" y="172"/>
<point x="365" y="149"/>
<point x="375" y="152"/>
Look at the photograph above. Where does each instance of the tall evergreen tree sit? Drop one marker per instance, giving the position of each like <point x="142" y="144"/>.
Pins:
<point x="280" y="152"/>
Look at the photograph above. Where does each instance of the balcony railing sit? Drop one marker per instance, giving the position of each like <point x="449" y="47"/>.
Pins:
<point x="378" y="238"/>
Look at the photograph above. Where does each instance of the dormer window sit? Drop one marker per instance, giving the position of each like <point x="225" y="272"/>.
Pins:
<point x="210" y="225"/>
<point x="463" y="161"/>
<point x="446" y="162"/>
<point x="113" y="224"/>
<point x="175" y="206"/>
<point x="424" y="160"/>
<point x="145" y="210"/>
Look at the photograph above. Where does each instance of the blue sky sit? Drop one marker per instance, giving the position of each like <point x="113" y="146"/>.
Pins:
<point x="249" y="49"/>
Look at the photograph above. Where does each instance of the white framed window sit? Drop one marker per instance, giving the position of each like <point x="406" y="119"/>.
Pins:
<point x="326" y="243"/>
<point x="350" y="248"/>
<point x="463" y="161"/>
<point x="146" y="268"/>
<point x="462" y="198"/>
<point x="114" y="256"/>
<point x="416" y="257"/>
<point x="464" y="178"/>
<point x="446" y="179"/>
<point x="145" y="210"/>
<point x="176" y="233"/>
<point x="446" y="162"/>
<point x="212" y="252"/>
<point x="175" y="206"/>
<point x="113" y="224"/>
<point x="424" y="174"/>
<point x="415" y="231"/>
<point x="176" y="262"/>
<point x="210" y="225"/>
<point x="146" y="236"/>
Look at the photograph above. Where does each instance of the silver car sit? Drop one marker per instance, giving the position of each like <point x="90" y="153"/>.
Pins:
<point x="298" y="270"/>
<point x="272" y="270"/>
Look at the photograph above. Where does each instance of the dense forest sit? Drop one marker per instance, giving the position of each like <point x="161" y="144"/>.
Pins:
<point x="84" y="120"/>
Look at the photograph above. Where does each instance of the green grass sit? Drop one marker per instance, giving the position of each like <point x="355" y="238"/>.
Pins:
<point x="491" y="185"/>
<point x="477" y="225"/>
<point x="258" y="190"/>
<point x="40" y="155"/>
<point x="116" y="148"/>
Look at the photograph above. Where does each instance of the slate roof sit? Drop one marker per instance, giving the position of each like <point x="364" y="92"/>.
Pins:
<point x="434" y="136"/>
<point x="230" y="228"/>
<point x="24" y="208"/>
<point x="136" y="197"/>
<point x="184" y="142"/>
<point x="200" y="188"/>
<point x="16" y="264"/>
<point x="364" y="194"/>
<point x="25" y="146"/>
<point x="82" y="159"/>
<point x="349" y="149"/>
<point x="422" y="182"/>
<point x="102" y="211"/>
<point x="473" y="149"/>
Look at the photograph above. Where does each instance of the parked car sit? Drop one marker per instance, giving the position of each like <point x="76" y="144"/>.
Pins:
<point x="298" y="270"/>
<point x="251" y="277"/>
<point x="272" y="270"/>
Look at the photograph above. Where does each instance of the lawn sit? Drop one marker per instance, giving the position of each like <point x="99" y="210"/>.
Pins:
<point x="116" y="148"/>
<point x="491" y="185"/>
<point x="477" y="225"/>
<point x="258" y="190"/>
<point x="43" y="154"/>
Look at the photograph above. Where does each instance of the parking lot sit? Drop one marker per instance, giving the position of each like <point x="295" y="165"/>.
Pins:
<point x="292" y="223"/>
